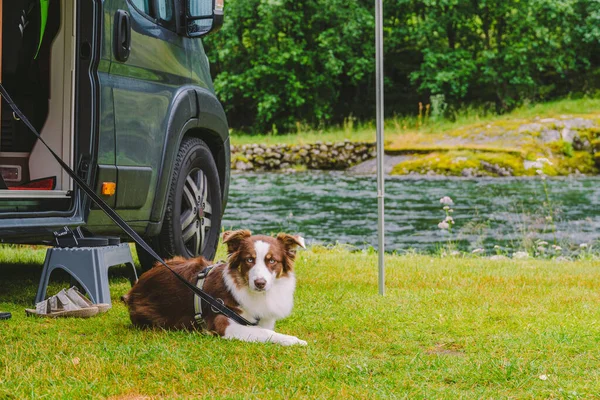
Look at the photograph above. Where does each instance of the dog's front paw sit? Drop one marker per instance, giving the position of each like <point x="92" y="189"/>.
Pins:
<point x="287" y="340"/>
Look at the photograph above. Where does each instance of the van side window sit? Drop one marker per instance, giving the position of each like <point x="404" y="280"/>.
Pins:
<point x="142" y="5"/>
<point x="165" y="10"/>
<point x="159" y="11"/>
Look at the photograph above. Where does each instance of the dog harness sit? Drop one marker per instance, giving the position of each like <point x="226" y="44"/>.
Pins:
<point x="202" y="275"/>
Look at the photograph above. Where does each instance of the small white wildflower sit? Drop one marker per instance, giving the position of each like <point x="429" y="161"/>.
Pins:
<point x="557" y="248"/>
<point x="450" y="210"/>
<point x="541" y="249"/>
<point x="520" y="255"/>
<point x="583" y="246"/>
<point x="449" y="220"/>
<point x="539" y="172"/>
<point x="443" y="225"/>
<point x="536" y="165"/>
<point x="446" y="200"/>
<point x="543" y="243"/>
<point x="455" y="253"/>
<point x="544" y="377"/>
<point x="496" y="247"/>
<point x="549" y="218"/>
<point x="478" y="250"/>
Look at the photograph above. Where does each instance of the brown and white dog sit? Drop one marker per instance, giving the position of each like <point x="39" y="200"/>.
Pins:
<point x="257" y="282"/>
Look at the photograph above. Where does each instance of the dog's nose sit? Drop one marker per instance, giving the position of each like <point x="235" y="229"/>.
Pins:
<point x="260" y="283"/>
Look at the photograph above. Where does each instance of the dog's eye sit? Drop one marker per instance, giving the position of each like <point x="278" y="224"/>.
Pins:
<point x="271" y="261"/>
<point x="250" y="260"/>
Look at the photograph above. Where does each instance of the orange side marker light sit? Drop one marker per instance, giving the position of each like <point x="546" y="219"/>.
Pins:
<point x="109" y="188"/>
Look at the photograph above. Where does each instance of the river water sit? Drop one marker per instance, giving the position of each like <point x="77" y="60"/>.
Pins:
<point x="339" y="207"/>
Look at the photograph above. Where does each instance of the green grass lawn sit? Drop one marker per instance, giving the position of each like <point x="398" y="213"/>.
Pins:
<point x="398" y="126"/>
<point x="447" y="328"/>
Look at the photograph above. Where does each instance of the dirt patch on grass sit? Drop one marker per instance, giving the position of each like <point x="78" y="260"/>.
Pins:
<point x="446" y="349"/>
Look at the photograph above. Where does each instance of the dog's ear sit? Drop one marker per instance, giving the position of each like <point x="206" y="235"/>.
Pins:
<point x="290" y="242"/>
<point x="233" y="239"/>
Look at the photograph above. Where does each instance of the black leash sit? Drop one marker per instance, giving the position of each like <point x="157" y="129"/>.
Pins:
<point x="217" y="304"/>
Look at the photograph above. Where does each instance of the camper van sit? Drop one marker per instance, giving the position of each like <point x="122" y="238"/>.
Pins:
<point x="121" y="91"/>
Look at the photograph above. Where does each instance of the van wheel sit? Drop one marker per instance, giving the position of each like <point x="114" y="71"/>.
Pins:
<point x="192" y="219"/>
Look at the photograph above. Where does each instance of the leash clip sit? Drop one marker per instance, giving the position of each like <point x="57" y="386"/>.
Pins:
<point x="215" y="310"/>
<point x="202" y="274"/>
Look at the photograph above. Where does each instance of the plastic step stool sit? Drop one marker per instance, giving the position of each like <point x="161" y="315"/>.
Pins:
<point x="88" y="266"/>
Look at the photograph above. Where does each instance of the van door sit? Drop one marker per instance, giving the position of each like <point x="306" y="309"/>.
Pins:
<point x="145" y="80"/>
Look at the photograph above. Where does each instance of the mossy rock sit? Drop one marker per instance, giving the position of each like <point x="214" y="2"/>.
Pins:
<point x="239" y="157"/>
<point x="453" y="163"/>
<point x="299" y="167"/>
<point x="561" y="147"/>
<point x="597" y="160"/>
<point x="511" y="162"/>
<point x="568" y="161"/>
<point x="595" y="144"/>
<point x="581" y="161"/>
<point x="589" y="133"/>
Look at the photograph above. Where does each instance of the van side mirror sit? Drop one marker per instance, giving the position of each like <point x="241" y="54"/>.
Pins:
<point x="199" y="17"/>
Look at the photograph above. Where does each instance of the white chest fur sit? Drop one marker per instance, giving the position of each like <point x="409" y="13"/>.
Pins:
<point x="274" y="304"/>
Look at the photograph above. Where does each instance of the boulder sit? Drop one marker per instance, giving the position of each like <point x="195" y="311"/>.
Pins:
<point x="496" y="169"/>
<point x="533" y="128"/>
<point x="550" y="135"/>
<point x="568" y="135"/>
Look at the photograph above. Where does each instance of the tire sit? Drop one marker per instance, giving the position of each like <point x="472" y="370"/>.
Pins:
<point x="192" y="220"/>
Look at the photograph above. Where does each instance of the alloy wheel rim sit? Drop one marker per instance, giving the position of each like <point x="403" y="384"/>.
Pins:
<point x="196" y="212"/>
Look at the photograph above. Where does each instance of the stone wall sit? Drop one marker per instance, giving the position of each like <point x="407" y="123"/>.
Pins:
<point x="327" y="156"/>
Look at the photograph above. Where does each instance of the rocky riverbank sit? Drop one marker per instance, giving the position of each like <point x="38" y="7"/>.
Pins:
<point x="324" y="156"/>
<point x="505" y="148"/>
<point x="508" y="147"/>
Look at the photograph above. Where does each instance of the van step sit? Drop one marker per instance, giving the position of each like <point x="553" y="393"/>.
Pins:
<point x="33" y="201"/>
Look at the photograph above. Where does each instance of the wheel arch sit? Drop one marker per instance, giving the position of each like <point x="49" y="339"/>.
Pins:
<point x="220" y="151"/>
<point x="195" y="112"/>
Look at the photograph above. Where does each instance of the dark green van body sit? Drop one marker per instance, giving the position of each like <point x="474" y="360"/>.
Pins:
<point x="130" y="119"/>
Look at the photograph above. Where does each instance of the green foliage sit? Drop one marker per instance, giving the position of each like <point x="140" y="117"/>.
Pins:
<point x="507" y="51"/>
<point x="281" y="63"/>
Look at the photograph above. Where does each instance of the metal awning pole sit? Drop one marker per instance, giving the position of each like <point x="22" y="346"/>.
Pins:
<point x="380" y="153"/>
